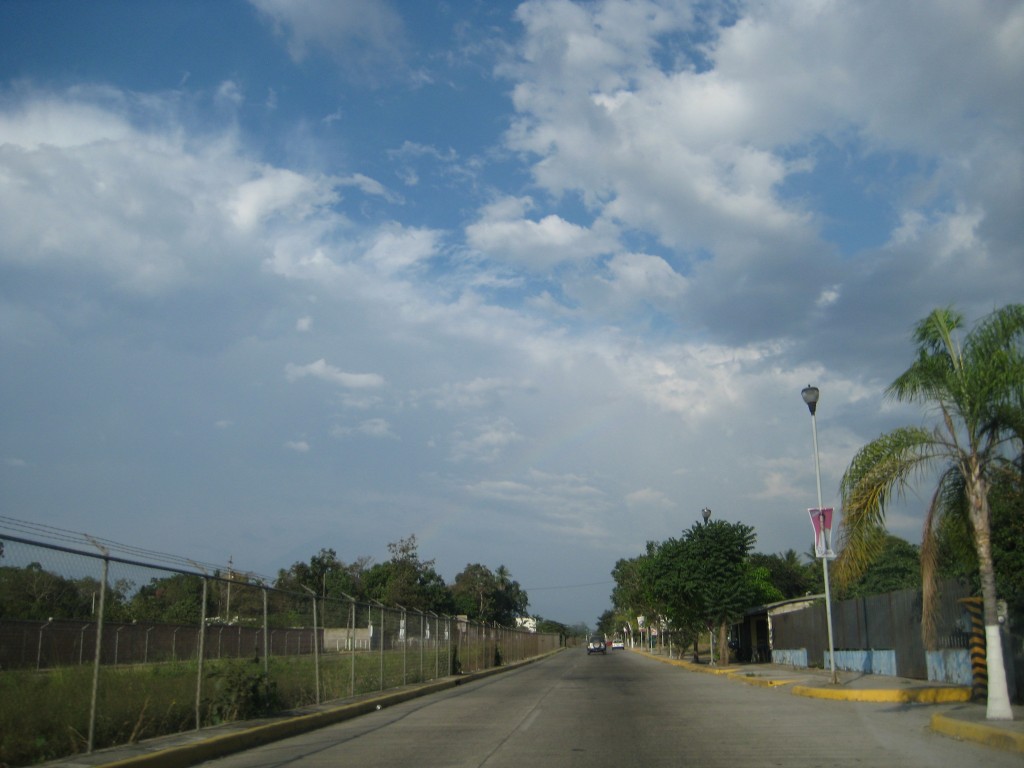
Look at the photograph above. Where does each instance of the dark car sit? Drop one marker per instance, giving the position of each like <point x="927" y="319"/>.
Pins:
<point x="596" y="645"/>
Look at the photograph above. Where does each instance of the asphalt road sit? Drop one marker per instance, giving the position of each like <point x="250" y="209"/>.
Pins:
<point x="624" y="710"/>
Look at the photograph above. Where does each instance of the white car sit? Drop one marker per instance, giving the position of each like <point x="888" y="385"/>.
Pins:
<point x="618" y="644"/>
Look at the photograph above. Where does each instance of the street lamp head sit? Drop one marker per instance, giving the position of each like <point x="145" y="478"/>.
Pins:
<point x="810" y="396"/>
<point x="706" y="514"/>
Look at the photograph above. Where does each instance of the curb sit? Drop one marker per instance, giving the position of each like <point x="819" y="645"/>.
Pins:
<point x="978" y="732"/>
<point x="888" y="695"/>
<point x="214" y="747"/>
<point x="761" y="682"/>
<point x="206" y="747"/>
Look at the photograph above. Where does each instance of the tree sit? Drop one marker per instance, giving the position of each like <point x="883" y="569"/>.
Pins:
<point x="175" y="599"/>
<point x="897" y="566"/>
<point x="958" y="558"/>
<point x="976" y="388"/>
<point x="491" y="597"/>
<point x="34" y="593"/>
<point x="787" y="573"/>
<point x="633" y="594"/>
<point x="407" y="581"/>
<point x="704" y="578"/>
<point x="607" y="625"/>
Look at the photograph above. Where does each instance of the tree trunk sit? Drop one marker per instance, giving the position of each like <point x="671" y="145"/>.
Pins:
<point x="723" y="643"/>
<point x="998" y="703"/>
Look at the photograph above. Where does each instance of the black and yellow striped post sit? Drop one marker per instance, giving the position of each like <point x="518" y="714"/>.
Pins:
<point x="979" y="661"/>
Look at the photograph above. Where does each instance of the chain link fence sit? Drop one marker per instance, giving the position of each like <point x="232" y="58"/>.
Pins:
<point x="98" y="649"/>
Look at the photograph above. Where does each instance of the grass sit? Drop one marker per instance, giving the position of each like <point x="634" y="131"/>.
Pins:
<point x="45" y="715"/>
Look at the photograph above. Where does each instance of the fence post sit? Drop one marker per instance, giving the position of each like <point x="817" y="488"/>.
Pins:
<point x="81" y="644"/>
<point x="351" y="648"/>
<point x="96" y="658"/>
<point x="39" y="647"/>
<point x="437" y="646"/>
<point x="316" y="646"/>
<point x="381" y="681"/>
<point x="403" y="636"/>
<point x="202" y="653"/>
<point x="266" y="637"/>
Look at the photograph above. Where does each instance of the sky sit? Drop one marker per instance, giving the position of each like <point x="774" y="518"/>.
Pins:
<point x="534" y="282"/>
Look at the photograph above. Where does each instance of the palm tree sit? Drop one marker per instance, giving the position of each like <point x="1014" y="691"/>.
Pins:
<point x="976" y="391"/>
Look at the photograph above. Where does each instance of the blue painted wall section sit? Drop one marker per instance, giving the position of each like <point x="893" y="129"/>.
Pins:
<point x="950" y="665"/>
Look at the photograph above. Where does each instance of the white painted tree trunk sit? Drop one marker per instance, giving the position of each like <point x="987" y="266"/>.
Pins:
<point x="998" y="706"/>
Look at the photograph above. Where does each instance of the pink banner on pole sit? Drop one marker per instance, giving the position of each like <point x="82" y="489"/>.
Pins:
<point x="821" y="521"/>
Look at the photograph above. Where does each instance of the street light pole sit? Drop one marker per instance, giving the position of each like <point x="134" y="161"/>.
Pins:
<point x="706" y="514"/>
<point x="810" y="396"/>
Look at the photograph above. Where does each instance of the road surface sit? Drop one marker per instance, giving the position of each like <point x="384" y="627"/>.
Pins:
<point x="622" y="709"/>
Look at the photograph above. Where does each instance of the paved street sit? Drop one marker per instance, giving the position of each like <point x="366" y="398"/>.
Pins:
<point x="625" y="709"/>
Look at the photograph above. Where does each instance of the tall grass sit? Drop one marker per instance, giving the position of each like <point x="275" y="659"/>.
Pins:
<point x="45" y="715"/>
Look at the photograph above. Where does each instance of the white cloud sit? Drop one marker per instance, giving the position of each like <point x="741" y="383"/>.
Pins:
<point x="299" y="446"/>
<point x="230" y="93"/>
<point x="377" y="428"/>
<point x="395" y="248"/>
<point x="319" y="369"/>
<point x="503" y="234"/>
<point x="483" y="442"/>
<point x="479" y="392"/>
<point x="366" y="37"/>
<point x="648" y="498"/>
<point x="277" y="192"/>
<point x="141" y="209"/>
<point x="558" y="504"/>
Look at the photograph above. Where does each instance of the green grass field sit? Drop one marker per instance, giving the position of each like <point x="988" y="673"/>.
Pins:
<point x="45" y="715"/>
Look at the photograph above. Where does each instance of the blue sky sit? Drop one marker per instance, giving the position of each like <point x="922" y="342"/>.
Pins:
<point x="533" y="281"/>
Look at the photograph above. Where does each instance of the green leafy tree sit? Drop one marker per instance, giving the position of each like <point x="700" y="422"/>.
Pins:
<point x="958" y="557"/>
<point x="473" y="591"/>
<point x="897" y="566"/>
<point x="762" y="589"/>
<point x="607" y="624"/>
<point x="788" y="574"/>
<point x="489" y="596"/>
<point x="974" y="388"/>
<point x="634" y="592"/>
<point x="704" y="578"/>
<point x="407" y="581"/>
<point x="175" y="599"/>
<point x="32" y="592"/>
<point x="550" y="626"/>
<point x="326" y="575"/>
<point x="512" y="600"/>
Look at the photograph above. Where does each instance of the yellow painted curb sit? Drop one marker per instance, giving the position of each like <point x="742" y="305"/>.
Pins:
<point x="205" y="748"/>
<point x="762" y="682"/>
<point x="978" y="732"/>
<point x="887" y="695"/>
<point x="705" y="668"/>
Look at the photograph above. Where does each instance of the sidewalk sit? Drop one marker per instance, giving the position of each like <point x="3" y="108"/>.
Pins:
<point x="964" y="720"/>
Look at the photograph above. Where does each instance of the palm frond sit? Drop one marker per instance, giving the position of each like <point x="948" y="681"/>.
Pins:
<point x="949" y="502"/>
<point x="880" y="469"/>
<point x="933" y="376"/>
